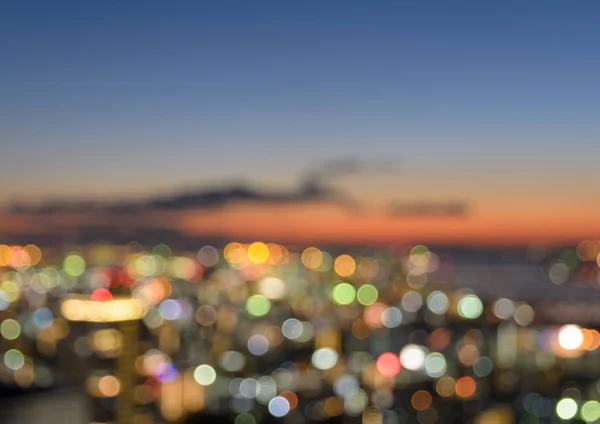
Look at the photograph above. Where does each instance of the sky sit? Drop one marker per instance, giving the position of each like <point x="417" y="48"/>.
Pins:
<point x="491" y="103"/>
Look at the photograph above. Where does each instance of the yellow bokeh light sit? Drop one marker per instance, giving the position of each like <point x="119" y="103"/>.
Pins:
<point x="106" y="340"/>
<point x="10" y="290"/>
<point x="420" y="255"/>
<point x="10" y="329"/>
<point x="344" y="265"/>
<point x="258" y="253"/>
<point x="333" y="406"/>
<point x="79" y="308"/>
<point x="312" y="258"/>
<point x="372" y="415"/>
<point x="445" y="386"/>
<point x="34" y="252"/>
<point x="235" y="253"/>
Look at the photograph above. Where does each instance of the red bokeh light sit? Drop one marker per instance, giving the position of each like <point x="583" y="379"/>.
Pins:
<point x="388" y="364"/>
<point x="101" y="295"/>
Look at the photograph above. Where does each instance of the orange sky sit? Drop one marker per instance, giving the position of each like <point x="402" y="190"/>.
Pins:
<point x="503" y="208"/>
<point x="516" y="223"/>
<point x="325" y="224"/>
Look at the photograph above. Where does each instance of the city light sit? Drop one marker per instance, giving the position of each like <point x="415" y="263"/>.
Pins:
<point x="252" y="307"/>
<point x="78" y="308"/>
<point x="570" y="337"/>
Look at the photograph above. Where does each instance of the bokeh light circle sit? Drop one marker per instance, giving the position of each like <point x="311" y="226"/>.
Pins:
<point x="205" y="375"/>
<point x="570" y="337"/>
<point x="74" y="265"/>
<point x="43" y="318"/>
<point x="590" y="411"/>
<point x="10" y="329"/>
<point x="566" y="408"/>
<point x="291" y="328"/>
<point x="388" y="364"/>
<point x="470" y="306"/>
<point x="391" y="317"/>
<point x="324" y="358"/>
<point x="438" y="302"/>
<point x="435" y="365"/>
<point x="344" y="294"/>
<point x="258" y="344"/>
<point x="14" y="359"/>
<point x="413" y="357"/>
<point x="367" y="295"/>
<point x="279" y="406"/>
<point x="258" y="305"/>
<point x="272" y="288"/>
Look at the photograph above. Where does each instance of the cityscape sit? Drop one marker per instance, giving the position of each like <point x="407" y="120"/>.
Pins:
<point x="299" y="212"/>
<point x="255" y="332"/>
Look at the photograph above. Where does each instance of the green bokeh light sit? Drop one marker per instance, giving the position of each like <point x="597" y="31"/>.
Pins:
<point x="258" y="305"/>
<point x="245" y="418"/>
<point x="10" y="329"/>
<point x="590" y="411"/>
<point x="162" y="250"/>
<point x="74" y="265"/>
<point x="344" y="294"/>
<point x="367" y="295"/>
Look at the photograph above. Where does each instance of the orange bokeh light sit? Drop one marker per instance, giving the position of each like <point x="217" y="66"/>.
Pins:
<point x="290" y="397"/>
<point x="373" y="314"/>
<point x="344" y="265"/>
<point x="421" y="400"/>
<point x="465" y="387"/>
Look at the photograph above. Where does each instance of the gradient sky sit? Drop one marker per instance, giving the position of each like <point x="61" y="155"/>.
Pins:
<point x="495" y="103"/>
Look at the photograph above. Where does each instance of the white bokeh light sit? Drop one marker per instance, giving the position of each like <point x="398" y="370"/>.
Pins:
<point x="412" y="357"/>
<point x="325" y="358"/>
<point x="570" y="337"/>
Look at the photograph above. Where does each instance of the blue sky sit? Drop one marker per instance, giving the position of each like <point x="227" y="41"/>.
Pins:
<point x="118" y="98"/>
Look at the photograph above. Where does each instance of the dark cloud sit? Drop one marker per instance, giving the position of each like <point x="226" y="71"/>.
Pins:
<point x="203" y="198"/>
<point x="317" y="185"/>
<point x="213" y="198"/>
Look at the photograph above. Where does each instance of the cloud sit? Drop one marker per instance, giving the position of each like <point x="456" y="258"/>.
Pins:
<point x="316" y="186"/>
